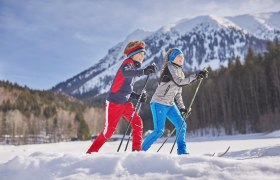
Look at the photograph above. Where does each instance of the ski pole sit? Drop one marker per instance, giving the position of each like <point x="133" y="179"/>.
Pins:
<point x="186" y="116"/>
<point x="169" y="136"/>
<point x="189" y="110"/>
<point x="131" y="130"/>
<point x="132" y="115"/>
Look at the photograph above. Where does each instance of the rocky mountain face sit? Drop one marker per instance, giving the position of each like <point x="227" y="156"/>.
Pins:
<point x="205" y="40"/>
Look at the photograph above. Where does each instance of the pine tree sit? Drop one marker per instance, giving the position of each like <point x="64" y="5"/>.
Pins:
<point x="83" y="129"/>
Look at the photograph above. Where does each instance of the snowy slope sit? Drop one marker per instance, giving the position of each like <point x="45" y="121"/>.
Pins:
<point x="255" y="156"/>
<point x="263" y="26"/>
<point x="205" y="23"/>
<point x="205" y="40"/>
<point x="85" y="82"/>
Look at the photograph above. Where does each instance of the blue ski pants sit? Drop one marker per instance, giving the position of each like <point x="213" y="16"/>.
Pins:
<point x="160" y="113"/>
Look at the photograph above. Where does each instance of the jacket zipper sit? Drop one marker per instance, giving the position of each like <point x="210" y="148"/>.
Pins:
<point x="167" y="89"/>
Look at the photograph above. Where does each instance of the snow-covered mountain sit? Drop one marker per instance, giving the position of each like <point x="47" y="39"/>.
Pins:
<point x="205" y="40"/>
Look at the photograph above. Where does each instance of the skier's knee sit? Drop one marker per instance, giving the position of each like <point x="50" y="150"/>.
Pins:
<point x="137" y="126"/>
<point x="159" y="133"/>
<point x="184" y="126"/>
<point x="107" y="133"/>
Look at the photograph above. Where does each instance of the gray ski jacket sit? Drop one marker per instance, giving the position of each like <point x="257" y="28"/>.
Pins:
<point x="169" y="89"/>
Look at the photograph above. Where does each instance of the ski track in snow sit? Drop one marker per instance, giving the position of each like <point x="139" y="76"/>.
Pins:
<point x="254" y="156"/>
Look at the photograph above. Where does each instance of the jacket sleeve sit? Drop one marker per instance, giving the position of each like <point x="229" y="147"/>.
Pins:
<point x="129" y="71"/>
<point x="179" y="99"/>
<point x="179" y="81"/>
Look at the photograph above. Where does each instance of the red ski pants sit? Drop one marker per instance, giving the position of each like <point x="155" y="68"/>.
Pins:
<point x="113" y="114"/>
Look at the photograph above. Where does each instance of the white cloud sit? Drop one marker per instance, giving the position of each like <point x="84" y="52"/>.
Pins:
<point x="107" y="17"/>
<point x="84" y="38"/>
<point x="90" y="39"/>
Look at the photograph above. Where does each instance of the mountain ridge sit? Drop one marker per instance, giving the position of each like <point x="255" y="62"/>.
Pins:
<point x="205" y="40"/>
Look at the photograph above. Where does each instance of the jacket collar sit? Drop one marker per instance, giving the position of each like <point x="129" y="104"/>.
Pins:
<point x="136" y="63"/>
<point x="176" y="65"/>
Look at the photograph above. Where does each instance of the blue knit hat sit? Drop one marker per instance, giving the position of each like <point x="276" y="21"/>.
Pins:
<point x="175" y="52"/>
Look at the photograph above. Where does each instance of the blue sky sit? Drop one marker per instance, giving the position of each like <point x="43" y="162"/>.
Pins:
<point x="44" y="42"/>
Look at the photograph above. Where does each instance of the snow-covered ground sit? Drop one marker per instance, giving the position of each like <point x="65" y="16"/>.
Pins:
<point x="254" y="156"/>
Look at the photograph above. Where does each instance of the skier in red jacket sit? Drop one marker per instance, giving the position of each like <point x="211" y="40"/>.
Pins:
<point x="117" y="102"/>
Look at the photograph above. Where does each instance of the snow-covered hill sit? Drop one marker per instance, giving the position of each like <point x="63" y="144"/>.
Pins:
<point x="263" y="26"/>
<point x="255" y="156"/>
<point x="205" y="41"/>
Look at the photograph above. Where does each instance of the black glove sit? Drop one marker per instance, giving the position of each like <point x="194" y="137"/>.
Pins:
<point x="184" y="112"/>
<point x="202" y="74"/>
<point x="143" y="97"/>
<point x="150" y="69"/>
<point x="136" y="96"/>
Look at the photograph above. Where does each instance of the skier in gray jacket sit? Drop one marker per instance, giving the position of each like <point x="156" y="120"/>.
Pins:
<point x="167" y="95"/>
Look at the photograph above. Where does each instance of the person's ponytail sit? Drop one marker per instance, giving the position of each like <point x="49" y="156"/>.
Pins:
<point x="165" y="61"/>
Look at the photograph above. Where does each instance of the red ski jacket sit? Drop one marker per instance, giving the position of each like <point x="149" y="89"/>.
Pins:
<point x="124" y="81"/>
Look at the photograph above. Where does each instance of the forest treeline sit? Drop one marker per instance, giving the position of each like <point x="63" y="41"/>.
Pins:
<point x="240" y="98"/>
<point x="32" y="116"/>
